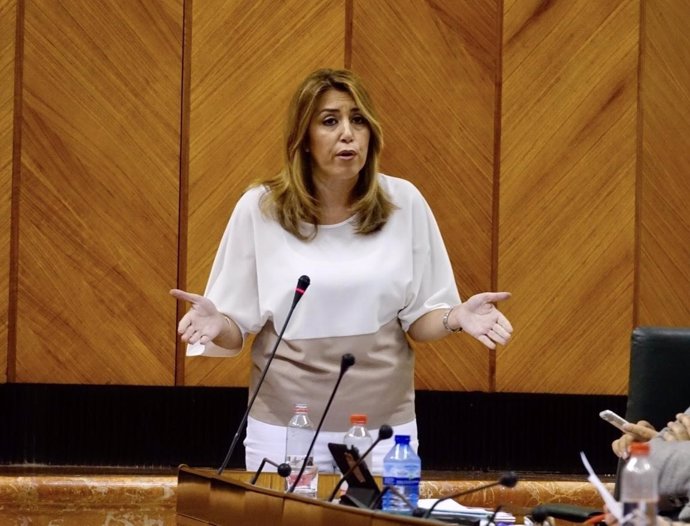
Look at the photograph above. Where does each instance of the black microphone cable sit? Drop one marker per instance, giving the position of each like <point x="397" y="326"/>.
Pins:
<point x="492" y="518"/>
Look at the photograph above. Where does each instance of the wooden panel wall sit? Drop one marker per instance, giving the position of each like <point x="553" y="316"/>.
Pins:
<point x="8" y="12"/>
<point x="247" y="59"/>
<point x="516" y="118"/>
<point x="567" y="193"/>
<point x="431" y="68"/>
<point x="99" y="192"/>
<point x="664" y="190"/>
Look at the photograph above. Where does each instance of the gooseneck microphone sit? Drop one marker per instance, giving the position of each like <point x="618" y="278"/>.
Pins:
<point x="302" y="285"/>
<point x="284" y="469"/>
<point x="346" y="361"/>
<point x="385" y="432"/>
<point x="509" y="480"/>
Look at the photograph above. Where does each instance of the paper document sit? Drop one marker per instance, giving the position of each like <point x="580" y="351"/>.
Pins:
<point x="612" y="504"/>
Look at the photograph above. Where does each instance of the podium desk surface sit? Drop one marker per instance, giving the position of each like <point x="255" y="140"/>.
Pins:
<point x="206" y="498"/>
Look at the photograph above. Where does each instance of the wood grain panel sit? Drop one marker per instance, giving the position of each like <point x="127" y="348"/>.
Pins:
<point x="431" y="67"/>
<point x="247" y="58"/>
<point x="8" y="10"/>
<point x="100" y="165"/>
<point x="664" y="235"/>
<point x="567" y="193"/>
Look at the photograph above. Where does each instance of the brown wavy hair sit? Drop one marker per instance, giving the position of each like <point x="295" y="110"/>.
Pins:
<point x="291" y="196"/>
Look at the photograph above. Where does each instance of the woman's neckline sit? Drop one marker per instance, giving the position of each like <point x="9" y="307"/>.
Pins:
<point x="335" y="225"/>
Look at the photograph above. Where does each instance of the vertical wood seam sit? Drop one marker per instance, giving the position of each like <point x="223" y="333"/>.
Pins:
<point x="13" y="292"/>
<point x="639" y="172"/>
<point x="183" y="205"/>
<point x="349" y="20"/>
<point x="495" y="237"/>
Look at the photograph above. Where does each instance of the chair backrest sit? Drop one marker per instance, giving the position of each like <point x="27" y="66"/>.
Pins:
<point x="659" y="381"/>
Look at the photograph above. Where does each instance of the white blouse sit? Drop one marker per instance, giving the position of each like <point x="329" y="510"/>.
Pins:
<point x="358" y="283"/>
<point x="365" y="291"/>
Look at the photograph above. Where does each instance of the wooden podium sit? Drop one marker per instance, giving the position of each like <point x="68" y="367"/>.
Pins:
<point x="205" y="498"/>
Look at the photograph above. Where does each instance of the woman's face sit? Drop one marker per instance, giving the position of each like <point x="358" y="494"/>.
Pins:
<point x="338" y="138"/>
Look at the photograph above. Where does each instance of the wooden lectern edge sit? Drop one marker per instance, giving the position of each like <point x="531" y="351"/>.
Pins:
<point x="188" y="503"/>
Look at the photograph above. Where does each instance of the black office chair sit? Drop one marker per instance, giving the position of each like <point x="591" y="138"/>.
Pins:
<point x="658" y="388"/>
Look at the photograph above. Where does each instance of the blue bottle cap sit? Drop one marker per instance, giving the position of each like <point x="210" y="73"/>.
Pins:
<point x="402" y="439"/>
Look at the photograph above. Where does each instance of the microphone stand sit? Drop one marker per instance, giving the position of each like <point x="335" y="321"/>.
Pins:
<point x="385" y="432"/>
<point x="346" y="362"/>
<point x="302" y="285"/>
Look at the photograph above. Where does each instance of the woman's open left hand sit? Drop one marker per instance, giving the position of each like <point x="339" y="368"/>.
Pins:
<point x="479" y="317"/>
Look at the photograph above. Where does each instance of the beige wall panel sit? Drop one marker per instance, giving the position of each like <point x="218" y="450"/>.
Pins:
<point x="430" y="67"/>
<point x="247" y="58"/>
<point x="567" y="193"/>
<point x="664" y="236"/>
<point x="8" y="9"/>
<point x="99" y="194"/>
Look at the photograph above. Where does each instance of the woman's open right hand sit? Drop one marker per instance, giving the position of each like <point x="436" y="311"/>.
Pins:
<point x="203" y="322"/>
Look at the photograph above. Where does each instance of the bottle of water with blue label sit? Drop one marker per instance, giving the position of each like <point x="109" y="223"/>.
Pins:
<point x="402" y="471"/>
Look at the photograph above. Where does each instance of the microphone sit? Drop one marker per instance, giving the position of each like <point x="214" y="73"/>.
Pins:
<point x="385" y="432"/>
<point x="284" y="469"/>
<point x="346" y="361"/>
<point x="509" y="480"/>
<point x="302" y="285"/>
<point x="300" y="289"/>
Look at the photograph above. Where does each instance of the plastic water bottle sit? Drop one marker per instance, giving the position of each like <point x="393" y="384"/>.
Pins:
<point x="402" y="470"/>
<point x="300" y="433"/>
<point x="639" y="492"/>
<point x="358" y="436"/>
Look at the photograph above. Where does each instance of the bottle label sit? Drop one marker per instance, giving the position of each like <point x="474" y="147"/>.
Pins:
<point x="308" y="482"/>
<point x="409" y="487"/>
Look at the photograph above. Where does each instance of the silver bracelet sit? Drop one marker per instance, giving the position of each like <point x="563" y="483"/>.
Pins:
<point x="445" y="322"/>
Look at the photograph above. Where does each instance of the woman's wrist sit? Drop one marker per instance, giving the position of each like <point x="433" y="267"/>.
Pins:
<point x="451" y="324"/>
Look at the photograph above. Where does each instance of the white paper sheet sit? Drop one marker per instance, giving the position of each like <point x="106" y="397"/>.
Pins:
<point x="614" y="507"/>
